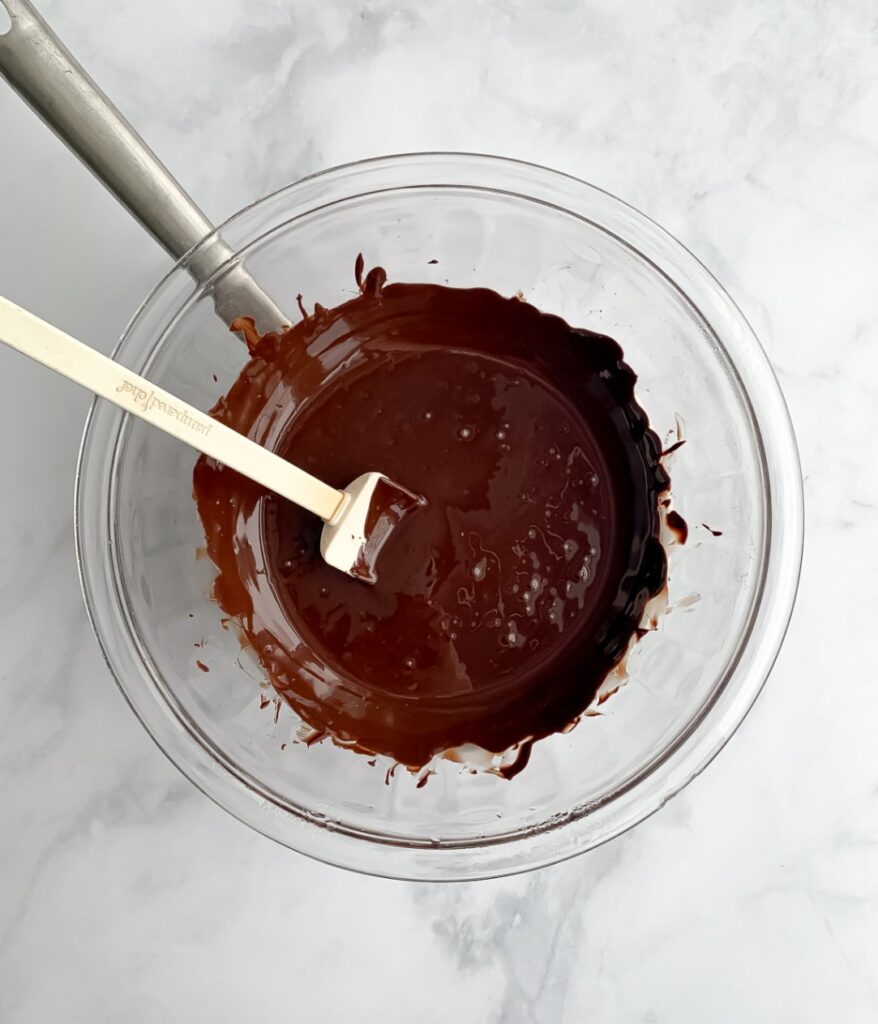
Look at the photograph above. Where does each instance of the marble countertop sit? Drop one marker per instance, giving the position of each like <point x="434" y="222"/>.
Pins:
<point x="750" y="130"/>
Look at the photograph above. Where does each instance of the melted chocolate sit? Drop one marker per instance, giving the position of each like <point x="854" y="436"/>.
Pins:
<point x="387" y="507"/>
<point x="502" y="604"/>
<point x="678" y="525"/>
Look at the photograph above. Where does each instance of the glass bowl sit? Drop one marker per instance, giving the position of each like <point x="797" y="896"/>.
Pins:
<point x="573" y="250"/>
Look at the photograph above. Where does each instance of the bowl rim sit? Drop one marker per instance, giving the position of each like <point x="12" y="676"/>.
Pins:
<point x="571" y="833"/>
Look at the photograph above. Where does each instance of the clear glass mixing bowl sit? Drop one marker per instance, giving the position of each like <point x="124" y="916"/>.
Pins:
<point x="573" y="250"/>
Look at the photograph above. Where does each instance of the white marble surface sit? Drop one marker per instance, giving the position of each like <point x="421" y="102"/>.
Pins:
<point x="751" y="131"/>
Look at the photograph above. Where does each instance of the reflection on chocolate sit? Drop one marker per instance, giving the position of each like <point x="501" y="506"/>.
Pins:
<point x="502" y="604"/>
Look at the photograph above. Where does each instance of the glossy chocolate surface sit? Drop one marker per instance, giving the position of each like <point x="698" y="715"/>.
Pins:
<point x="501" y="605"/>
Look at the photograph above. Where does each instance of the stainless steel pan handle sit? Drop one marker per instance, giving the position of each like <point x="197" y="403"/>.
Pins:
<point x="50" y="79"/>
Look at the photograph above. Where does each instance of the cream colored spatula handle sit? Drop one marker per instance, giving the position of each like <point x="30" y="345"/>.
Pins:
<point x="53" y="348"/>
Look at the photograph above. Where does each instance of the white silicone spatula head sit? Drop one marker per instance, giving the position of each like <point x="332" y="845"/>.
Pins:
<point x="373" y="508"/>
<point x="359" y="519"/>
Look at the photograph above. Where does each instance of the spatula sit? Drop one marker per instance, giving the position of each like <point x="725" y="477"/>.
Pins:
<point x="358" y="520"/>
